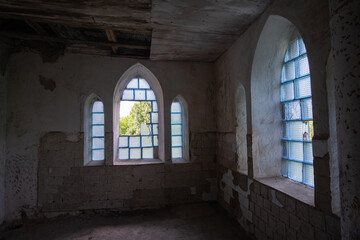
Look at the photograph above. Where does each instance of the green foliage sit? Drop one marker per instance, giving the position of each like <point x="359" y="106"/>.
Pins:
<point x="140" y="114"/>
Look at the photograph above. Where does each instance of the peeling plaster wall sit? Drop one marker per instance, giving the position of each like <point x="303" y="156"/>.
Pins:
<point x="45" y="142"/>
<point x="268" y="212"/>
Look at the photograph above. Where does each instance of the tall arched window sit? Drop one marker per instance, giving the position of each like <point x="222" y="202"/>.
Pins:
<point x="94" y="131"/>
<point x="179" y="130"/>
<point x="297" y="117"/>
<point x="139" y="122"/>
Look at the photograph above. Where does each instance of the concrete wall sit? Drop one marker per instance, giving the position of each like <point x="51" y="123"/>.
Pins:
<point x="269" y="210"/>
<point x="45" y="141"/>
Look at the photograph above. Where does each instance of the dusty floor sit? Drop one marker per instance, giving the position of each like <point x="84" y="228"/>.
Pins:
<point x="193" y="221"/>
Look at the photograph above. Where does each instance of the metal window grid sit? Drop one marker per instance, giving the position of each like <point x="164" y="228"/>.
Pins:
<point x="92" y="126"/>
<point x="173" y="146"/>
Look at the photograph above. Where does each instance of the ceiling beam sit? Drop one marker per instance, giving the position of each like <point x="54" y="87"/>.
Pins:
<point x="111" y="37"/>
<point x="24" y="36"/>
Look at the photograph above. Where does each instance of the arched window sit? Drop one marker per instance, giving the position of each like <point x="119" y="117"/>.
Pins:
<point x="179" y="132"/>
<point x="94" y="131"/>
<point x="138" y="121"/>
<point x="297" y="117"/>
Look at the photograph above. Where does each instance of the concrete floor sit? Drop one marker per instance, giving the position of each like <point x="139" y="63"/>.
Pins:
<point x="192" y="221"/>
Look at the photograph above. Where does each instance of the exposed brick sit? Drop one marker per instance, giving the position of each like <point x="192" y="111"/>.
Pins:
<point x="284" y="216"/>
<point x="264" y="191"/>
<point x="320" y="235"/>
<point x="317" y="219"/>
<point x="332" y="225"/>
<point x="295" y="222"/>
<point x="306" y="231"/>
<point x="264" y="215"/>
<point x="302" y="210"/>
<point x="290" y="204"/>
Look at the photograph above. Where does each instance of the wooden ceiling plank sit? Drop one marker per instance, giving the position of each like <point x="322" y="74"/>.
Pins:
<point x="24" y="36"/>
<point x="111" y="37"/>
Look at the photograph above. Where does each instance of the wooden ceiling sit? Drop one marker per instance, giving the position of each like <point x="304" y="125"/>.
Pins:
<point x="196" y="30"/>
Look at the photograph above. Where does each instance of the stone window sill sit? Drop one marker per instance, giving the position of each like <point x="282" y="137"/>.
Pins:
<point x="138" y="162"/>
<point x="291" y="188"/>
<point x="179" y="160"/>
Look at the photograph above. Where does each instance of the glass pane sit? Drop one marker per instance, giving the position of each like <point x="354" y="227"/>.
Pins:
<point x="288" y="72"/>
<point x="146" y="141"/>
<point x="308" y="153"/>
<point x="295" y="171"/>
<point x="176" y="152"/>
<point x="123" y="153"/>
<point x="302" y="46"/>
<point x="291" y="110"/>
<point x="293" y="130"/>
<point x="306" y="109"/>
<point x="296" y="150"/>
<point x="175" y="129"/>
<point x="286" y="149"/>
<point x="139" y="95"/>
<point x="150" y="95"/>
<point x="176" y="141"/>
<point x="148" y="153"/>
<point x="155" y="140"/>
<point x="98" y="131"/>
<point x="175" y="118"/>
<point x="155" y="128"/>
<point x="303" y="87"/>
<point x="135" y="153"/>
<point x="135" y="141"/>
<point x="292" y="51"/>
<point x="133" y="83"/>
<point x="98" y="118"/>
<point x="302" y="68"/>
<point x="123" y="141"/>
<point x="154" y="106"/>
<point x="98" y="143"/>
<point x="287" y="91"/>
<point x="154" y="117"/>
<point x="309" y="175"/>
<point x="284" y="168"/>
<point x="145" y="129"/>
<point x="98" y="107"/>
<point x="143" y="84"/>
<point x="175" y="107"/>
<point x="128" y="95"/>
<point x="98" y="155"/>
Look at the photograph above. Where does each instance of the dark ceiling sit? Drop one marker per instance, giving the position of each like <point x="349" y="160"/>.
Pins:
<point x="197" y="30"/>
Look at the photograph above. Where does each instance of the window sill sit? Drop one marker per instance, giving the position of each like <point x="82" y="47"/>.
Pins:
<point x="95" y="163"/>
<point x="179" y="160"/>
<point x="291" y="188"/>
<point x="138" y="162"/>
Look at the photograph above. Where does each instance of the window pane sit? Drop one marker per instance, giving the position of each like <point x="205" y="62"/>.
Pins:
<point x="302" y="46"/>
<point x="123" y="141"/>
<point x="176" y="141"/>
<point x="175" y="107"/>
<point x="98" y="131"/>
<point x="295" y="171"/>
<point x="143" y="84"/>
<point x="296" y="150"/>
<point x="145" y="129"/>
<point x="150" y="95"/>
<point x="309" y="175"/>
<point x="176" y="129"/>
<point x="308" y="153"/>
<point x="175" y="118"/>
<point x="98" y="118"/>
<point x="286" y="149"/>
<point x="148" y="153"/>
<point x="133" y="83"/>
<point x="154" y="106"/>
<point x="135" y="141"/>
<point x="135" y="153"/>
<point x="303" y="88"/>
<point x="139" y="95"/>
<point x="287" y="91"/>
<point x="98" y="143"/>
<point x="123" y="153"/>
<point x="302" y="68"/>
<point x="306" y="109"/>
<point x="293" y="130"/>
<point x="288" y="71"/>
<point x="176" y="152"/>
<point x="155" y="140"/>
<point x="284" y="167"/>
<point x="292" y="51"/>
<point x="154" y="117"/>
<point x="98" y="155"/>
<point x="291" y="110"/>
<point x="98" y="107"/>
<point x="146" y="141"/>
<point x="155" y="128"/>
<point x="128" y="95"/>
